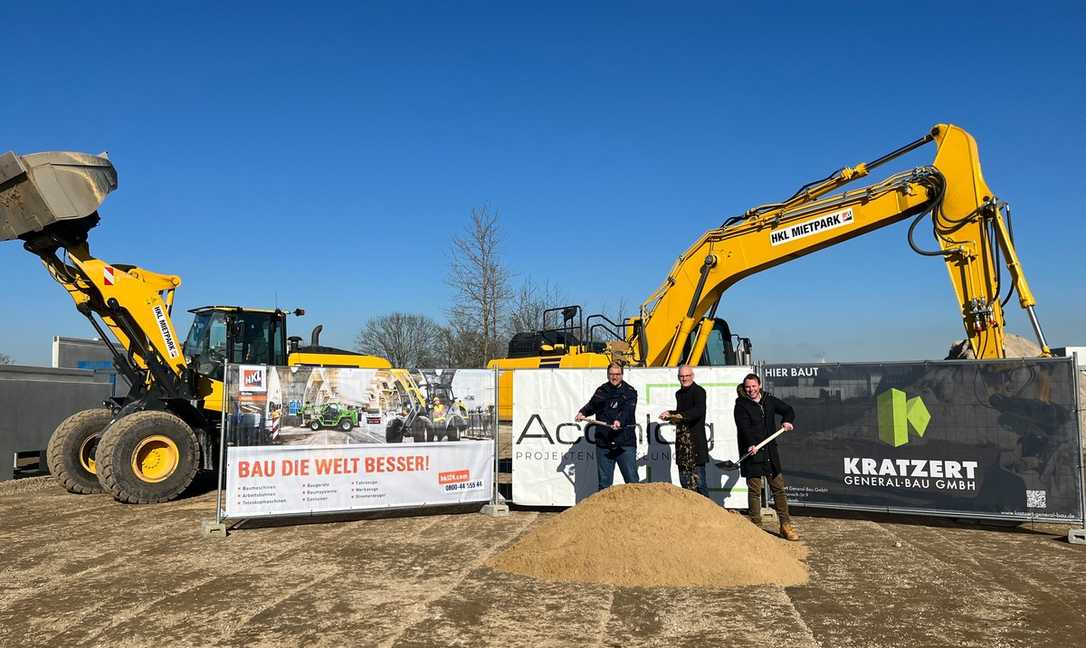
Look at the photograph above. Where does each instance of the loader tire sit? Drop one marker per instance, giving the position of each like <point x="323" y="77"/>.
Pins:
<point x="71" y="450"/>
<point x="394" y="431"/>
<point x="422" y="430"/>
<point x="147" y="457"/>
<point x="456" y="428"/>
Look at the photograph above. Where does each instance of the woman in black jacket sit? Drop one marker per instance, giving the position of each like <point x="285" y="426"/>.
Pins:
<point x="756" y="415"/>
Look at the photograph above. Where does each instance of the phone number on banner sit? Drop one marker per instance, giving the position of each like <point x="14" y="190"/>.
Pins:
<point x="462" y="486"/>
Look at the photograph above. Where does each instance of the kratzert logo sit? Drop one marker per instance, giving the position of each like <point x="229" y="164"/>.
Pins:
<point x="897" y="415"/>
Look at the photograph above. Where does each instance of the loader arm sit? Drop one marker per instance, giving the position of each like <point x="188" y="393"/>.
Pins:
<point x="50" y="202"/>
<point x="967" y="219"/>
<point x="133" y="303"/>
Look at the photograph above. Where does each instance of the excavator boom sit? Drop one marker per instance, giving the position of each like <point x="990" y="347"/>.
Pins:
<point x="968" y="224"/>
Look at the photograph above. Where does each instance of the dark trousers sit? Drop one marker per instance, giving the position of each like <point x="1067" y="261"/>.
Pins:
<point x="606" y="458"/>
<point x="780" y="500"/>
<point x="695" y="480"/>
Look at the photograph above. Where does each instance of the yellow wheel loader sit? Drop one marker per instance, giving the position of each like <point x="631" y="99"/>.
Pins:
<point x="147" y="445"/>
<point x="678" y="323"/>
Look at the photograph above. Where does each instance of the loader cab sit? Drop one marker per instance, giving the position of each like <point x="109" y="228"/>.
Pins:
<point x="221" y="334"/>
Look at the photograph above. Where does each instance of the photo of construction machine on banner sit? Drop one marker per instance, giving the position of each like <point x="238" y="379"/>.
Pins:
<point x="302" y="440"/>
<point x="554" y="461"/>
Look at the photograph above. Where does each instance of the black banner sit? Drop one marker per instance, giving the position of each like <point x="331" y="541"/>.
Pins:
<point x="994" y="438"/>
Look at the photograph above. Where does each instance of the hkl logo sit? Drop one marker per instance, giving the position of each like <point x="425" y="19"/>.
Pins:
<point x="252" y="377"/>
<point x="897" y="415"/>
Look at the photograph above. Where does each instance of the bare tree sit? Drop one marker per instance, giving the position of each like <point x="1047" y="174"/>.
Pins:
<point x="531" y="299"/>
<point x="480" y="282"/>
<point x="405" y="339"/>
<point x="5" y="359"/>
<point x="618" y="314"/>
<point x="459" y="345"/>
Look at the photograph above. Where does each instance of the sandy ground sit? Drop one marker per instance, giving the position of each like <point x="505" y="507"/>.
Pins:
<point x="87" y="571"/>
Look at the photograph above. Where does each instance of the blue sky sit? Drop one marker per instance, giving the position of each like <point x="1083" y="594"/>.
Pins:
<point x="324" y="156"/>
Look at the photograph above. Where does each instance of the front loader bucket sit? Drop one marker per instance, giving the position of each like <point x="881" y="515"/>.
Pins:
<point x="40" y="189"/>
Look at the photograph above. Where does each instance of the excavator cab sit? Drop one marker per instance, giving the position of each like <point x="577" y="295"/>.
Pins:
<point x="719" y="348"/>
<point x="221" y="334"/>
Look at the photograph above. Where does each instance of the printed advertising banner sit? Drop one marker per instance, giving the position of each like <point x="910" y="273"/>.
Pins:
<point x="984" y="438"/>
<point x="316" y="439"/>
<point x="555" y="465"/>
<point x="285" y="480"/>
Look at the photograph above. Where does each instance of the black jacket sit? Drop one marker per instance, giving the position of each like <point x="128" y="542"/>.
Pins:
<point x="690" y="406"/>
<point x="754" y="422"/>
<point x="608" y="404"/>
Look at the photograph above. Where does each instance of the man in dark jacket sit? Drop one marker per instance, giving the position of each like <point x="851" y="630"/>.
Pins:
<point x="613" y="404"/>
<point x="691" y="447"/>
<point x="756" y="420"/>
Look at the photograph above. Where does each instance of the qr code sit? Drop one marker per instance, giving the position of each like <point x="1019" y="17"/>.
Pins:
<point x="1035" y="499"/>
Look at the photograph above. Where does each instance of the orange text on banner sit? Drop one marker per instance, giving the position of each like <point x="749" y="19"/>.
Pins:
<point x="397" y="464"/>
<point x="299" y="467"/>
<point x="453" y="476"/>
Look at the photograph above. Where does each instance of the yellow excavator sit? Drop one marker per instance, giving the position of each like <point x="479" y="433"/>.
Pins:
<point x="147" y="445"/>
<point x="678" y="323"/>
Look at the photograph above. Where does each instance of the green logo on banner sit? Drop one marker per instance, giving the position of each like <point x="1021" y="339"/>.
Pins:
<point x="897" y="415"/>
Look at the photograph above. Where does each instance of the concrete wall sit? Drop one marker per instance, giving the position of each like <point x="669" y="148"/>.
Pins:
<point x="34" y="400"/>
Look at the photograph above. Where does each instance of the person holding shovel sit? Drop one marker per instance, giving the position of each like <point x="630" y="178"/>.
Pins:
<point x="691" y="446"/>
<point x="613" y="403"/>
<point x="756" y="415"/>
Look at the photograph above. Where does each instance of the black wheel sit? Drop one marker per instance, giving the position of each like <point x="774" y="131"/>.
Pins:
<point x="147" y="457"/>
<point x="70" y="454"/>
<point x="456" y="427"/>
<point x="394" y="431"/>
<point x="422" y="430"/>
<point x="346" y="425"/>
<point x="314" y="425"/>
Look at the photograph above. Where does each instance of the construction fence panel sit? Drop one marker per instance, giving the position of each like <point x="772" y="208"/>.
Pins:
<point x="310" y="440"/>
<point x="986" y="439"/>
<point x="554" y="457"/>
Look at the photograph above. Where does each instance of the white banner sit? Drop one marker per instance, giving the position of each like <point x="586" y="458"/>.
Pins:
<point x="282" y="480"/>
<point x="554" y="465"/>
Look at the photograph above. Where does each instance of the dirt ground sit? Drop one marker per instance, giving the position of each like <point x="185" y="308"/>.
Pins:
<point x="87" y="571"/>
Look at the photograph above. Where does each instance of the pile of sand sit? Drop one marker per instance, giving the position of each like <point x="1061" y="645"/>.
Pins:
<point x="1016" y="346"/>
<point x="654" y="535"/>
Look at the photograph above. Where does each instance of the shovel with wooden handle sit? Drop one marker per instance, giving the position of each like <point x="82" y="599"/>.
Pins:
<point x="593" y="422"/>
<point x="734" y="465"/>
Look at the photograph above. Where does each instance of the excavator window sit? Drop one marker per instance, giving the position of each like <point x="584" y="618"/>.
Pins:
<point x="719" y="350"/>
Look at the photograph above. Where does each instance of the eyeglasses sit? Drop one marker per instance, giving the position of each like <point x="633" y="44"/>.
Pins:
<point x="613" y="375"/>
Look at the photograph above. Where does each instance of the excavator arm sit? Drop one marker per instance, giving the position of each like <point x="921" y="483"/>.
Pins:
<point x="968" y="223"/>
